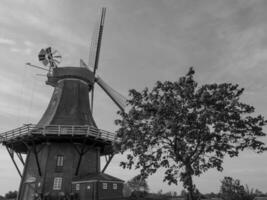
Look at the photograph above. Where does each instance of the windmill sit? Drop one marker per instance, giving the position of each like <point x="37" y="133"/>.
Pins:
<point x="63" y="149"/>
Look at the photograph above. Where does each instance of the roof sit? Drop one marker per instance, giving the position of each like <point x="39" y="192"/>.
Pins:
<point x="69" y="104"/>
<point x="96" y="177"/>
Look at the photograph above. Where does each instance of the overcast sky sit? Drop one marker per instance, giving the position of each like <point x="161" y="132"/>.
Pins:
<point x="144" y="41"/>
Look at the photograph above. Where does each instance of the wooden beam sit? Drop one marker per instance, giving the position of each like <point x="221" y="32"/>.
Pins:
<point x="36" y="159"/>
<point x="27" y="145"/>
<point x="79" y="163"/>
<point x="11" y="153"/>
<point x="20" y="158"/>
<point x="41" y="147"/>
<point x="76" y="148"/>
<point x="107" y="163"/>
<point x="81" y="153"/>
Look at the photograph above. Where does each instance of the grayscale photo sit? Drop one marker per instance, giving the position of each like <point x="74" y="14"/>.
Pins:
<point x="133" y="100"/>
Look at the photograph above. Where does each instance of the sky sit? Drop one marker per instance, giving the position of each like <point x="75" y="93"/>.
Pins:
<point x="143" y="41"/>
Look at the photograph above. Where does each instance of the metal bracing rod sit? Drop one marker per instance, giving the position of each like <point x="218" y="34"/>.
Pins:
<point x="36" y="159"/>
<point x="107" y="163"/>
<point x="20" y="158"/>
<point x="11" y="153"/>
<point x="35" y="66"/>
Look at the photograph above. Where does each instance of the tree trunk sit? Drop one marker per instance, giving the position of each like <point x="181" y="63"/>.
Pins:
<point x="190" y="189"/>
<point x="190" y="186"/>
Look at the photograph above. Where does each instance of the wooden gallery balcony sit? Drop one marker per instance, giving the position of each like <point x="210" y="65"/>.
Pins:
<point x="60" y="133"/>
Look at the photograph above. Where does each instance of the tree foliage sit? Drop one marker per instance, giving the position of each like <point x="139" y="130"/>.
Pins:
<point x="11" y="195"/>
<point x="138" y="183"/>
<point x="186" y="129"/>
<point x="231" y="189"/>
<point x="126" y="190"/>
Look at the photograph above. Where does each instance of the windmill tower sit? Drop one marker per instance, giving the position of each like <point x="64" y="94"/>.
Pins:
<point x="63" y="149"/>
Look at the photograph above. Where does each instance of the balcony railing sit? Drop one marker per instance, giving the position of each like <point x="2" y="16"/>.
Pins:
<point x="66" y="130"/>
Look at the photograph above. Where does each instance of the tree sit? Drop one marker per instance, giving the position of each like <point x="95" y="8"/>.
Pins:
<point x="126" y="190"/>
<point x="138" y="187"/>
<point x="183" y="194"/>
<point x="168" y="194"/>
<point x="259" y="193"/>
<point x="138" y="183"/>
<point x="231" y="189"/>
<point x="159" y="192"/>
<point x="249" y="193"/>
<point x="11" y="195"/>
<point x="186" y="129"/>
<point x="211" y="195"/>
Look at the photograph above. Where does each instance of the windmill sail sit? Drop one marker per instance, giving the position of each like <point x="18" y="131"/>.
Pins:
<point x="95" y="49"/>
<point x="116" y="97"/>
<point x="96" y="42"/>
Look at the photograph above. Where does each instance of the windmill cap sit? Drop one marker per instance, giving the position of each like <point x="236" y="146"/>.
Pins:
<point x="59" y="73"/>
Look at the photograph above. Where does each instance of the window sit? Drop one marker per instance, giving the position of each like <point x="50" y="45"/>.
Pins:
<point x="57" y="183"/>
<point x="77" y="187"/>
<point x="105" y="186"/>
<point x="115" y="186"/>
<point x="60" y="160"/>
<point x="59" y="164"/>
